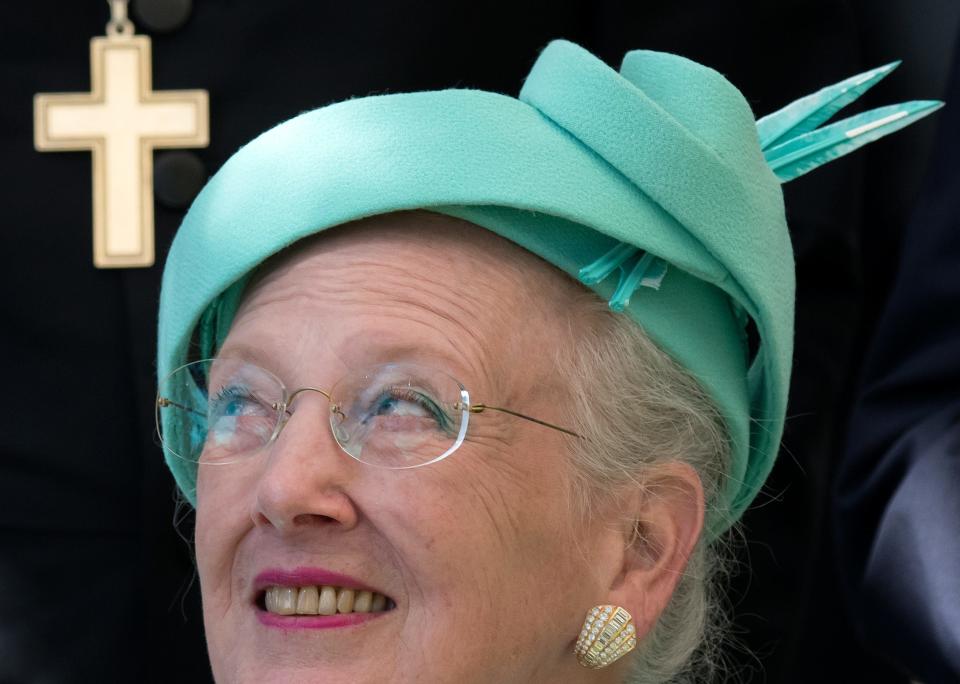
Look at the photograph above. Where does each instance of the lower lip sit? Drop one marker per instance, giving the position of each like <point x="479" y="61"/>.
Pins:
<point x="315" y="622"/>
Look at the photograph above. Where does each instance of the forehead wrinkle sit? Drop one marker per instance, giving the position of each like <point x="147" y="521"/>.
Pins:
<point x="489" y="288"/>
<point x="400" y="300"/>
<point x="519" y="298"/>
<point x="395" y="298"/>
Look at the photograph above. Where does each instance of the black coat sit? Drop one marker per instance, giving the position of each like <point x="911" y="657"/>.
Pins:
<point x="898" y="491"/>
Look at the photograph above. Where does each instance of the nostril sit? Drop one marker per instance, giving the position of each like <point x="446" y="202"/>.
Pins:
<point x="296" y="491"/>
<point x="314" y="519"/>
<point x="260" y="519"/>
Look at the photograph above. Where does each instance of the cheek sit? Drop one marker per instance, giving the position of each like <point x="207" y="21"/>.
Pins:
<point x="494" y="561"/>
<point x="222" y="520"/>
<point x="487" y="538"/>
<point x="211" y="496"/>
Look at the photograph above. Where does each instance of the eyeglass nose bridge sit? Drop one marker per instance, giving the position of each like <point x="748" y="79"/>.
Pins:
<point x="284" y="406"/>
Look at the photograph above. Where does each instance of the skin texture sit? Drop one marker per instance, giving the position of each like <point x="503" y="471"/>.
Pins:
<point x="491" y="572"/>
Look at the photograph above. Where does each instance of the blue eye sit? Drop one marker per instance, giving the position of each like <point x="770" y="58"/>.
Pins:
<point x="234" y="401"/>
<point x="403" y="401"/>
<point x="238" y="420"/>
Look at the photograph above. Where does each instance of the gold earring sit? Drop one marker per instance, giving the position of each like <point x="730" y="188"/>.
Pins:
<point x="608" y="635"/>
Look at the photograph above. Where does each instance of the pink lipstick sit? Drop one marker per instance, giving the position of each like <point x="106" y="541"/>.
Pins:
<point x="315" y="621"/>
<point x="309" y="577"/>
<point x="305" y="577"/>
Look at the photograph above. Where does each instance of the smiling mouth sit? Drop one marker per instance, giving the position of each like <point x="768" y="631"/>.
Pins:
<point x="321" y="600"/>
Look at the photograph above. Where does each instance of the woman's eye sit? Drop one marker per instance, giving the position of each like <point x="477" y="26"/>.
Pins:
<point x="234" y="407"/>
<point x="233" y="402"/>
<point x="406" y="408"/>
<point x="398" y="406"/>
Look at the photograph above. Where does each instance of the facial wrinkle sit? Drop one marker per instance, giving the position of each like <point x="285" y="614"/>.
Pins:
<point x="461" y="318"/>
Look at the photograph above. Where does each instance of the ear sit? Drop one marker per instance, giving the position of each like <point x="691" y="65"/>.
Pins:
<point x="661" y="525"/>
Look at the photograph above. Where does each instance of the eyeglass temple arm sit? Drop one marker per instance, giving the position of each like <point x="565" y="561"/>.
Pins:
<point x="480" y="408"/>
<point x="163" y="402"/>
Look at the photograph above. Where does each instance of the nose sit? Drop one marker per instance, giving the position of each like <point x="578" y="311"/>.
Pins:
<point x="305" y="475"/>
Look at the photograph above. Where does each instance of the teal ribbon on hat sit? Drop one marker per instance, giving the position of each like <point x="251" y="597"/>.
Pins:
<point x="638" y="269"/>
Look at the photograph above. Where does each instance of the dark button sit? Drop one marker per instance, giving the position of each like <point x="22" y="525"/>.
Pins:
<point x="162" y="15"/>
<point x="177" y="178"/>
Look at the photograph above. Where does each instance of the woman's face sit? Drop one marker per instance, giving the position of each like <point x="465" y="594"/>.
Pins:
<point x="488" y="572"/>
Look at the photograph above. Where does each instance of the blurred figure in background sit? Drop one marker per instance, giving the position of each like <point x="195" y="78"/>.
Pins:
<point x="898" y="489"/>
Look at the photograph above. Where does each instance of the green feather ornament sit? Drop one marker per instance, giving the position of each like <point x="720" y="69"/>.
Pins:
<point x="806" y="152"/>
<point x="793" y="144"/>
<point x="807" y="113"/>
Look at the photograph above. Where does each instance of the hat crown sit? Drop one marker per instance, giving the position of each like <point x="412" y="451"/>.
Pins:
<point x="701" y="100"/>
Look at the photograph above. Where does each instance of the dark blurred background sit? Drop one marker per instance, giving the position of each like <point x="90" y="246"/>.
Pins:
<point x="96" y="576"/>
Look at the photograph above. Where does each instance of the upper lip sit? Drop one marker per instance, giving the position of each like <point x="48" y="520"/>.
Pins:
<point x="305" y="577"/>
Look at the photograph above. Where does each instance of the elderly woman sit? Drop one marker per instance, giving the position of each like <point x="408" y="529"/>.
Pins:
<point x="467" y="388"/>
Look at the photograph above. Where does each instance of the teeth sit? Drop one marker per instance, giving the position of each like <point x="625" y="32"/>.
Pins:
<point x="345" y="601"/>
<point x="362" y="603"/>
<point x="287" y="600"/>
<point x="322" y="600"/>
<point x="271" y="599"/>
<point x="328" y="601"/>
<point x="308" y="601"/>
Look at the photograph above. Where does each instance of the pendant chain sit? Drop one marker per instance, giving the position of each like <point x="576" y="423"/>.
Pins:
<point x="119" y="24"/>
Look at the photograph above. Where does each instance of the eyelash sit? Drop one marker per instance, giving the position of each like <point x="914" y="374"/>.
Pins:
<point x="421" y="400"/>
<point x="230" y="392"/>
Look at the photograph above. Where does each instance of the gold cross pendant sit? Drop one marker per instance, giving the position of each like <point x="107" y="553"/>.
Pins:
<point x="121" y="121"/>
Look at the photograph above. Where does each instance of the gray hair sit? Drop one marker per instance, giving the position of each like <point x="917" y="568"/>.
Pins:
<point x="637" y="408"/>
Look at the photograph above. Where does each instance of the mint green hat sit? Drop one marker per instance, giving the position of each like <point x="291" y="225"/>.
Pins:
<point x="654" y="186"/>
